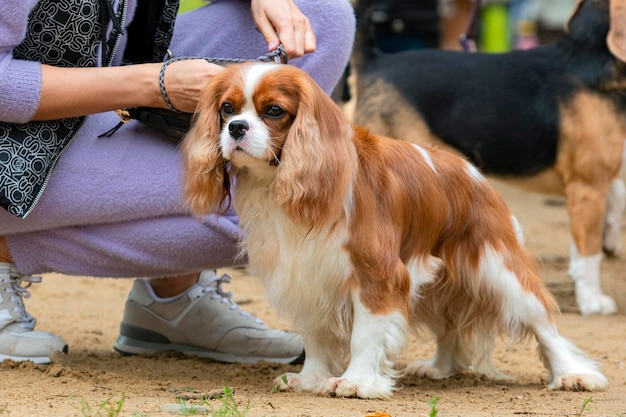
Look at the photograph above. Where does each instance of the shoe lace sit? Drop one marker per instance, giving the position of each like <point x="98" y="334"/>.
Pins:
<point x="214" y="285"/>
<point x="19" y="290"/>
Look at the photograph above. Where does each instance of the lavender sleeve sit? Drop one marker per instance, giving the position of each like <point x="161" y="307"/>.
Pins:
<point x="20" y="81"/>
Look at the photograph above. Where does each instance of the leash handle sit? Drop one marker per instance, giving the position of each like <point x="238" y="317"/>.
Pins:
<point x="467" y="38"/>
<point x="278" y="55"/>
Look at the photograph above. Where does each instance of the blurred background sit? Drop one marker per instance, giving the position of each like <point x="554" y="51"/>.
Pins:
<point x="501" y="25"/>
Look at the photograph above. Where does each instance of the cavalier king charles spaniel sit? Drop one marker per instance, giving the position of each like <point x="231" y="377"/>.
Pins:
<point x="361" y="238"/>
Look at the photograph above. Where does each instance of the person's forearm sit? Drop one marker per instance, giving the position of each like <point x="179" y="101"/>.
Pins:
<point x="69" y="92"/>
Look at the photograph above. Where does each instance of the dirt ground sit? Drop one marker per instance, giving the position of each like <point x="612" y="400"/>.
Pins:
<point x="87" y="312"/>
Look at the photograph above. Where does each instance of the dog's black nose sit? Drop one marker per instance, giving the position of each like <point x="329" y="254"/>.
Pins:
<point x="238" y="128"/>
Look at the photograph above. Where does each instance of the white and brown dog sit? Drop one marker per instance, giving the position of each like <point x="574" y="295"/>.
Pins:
<point x="361" y="238"/>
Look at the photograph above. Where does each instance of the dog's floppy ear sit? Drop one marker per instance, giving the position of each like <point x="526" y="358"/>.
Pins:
<point x="206" y="182"/>
<point x="318" y="159"/>
<point x="616" y="39"/>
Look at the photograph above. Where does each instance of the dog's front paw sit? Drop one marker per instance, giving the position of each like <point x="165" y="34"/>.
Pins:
<point x="345" y="387"/>
<point x="595" y="303"/>
<point x="427" y="369"/>
<point x="289" y="382"/>
<point x="592" y="381"/>
<point x="298" y="382"/>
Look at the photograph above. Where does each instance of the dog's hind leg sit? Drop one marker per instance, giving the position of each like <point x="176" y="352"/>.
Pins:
<point x="464" y="337"/>
<point x="452" y="355"/>
<point x="447" y="361"/>
<point x="458" y="353"/>
<point x="569" y="368"/>
<point x="525" y="308"/>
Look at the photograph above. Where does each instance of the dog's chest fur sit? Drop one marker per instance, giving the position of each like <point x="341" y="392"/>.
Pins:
<point x="305" y="272"/>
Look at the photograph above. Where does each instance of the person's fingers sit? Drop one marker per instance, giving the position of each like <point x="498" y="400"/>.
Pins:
<point x="310" y="42"/>
<point x="292" y="39"/>
<point x="297" y="32"/>
<point x="285" y="25"/>
<point x="267" y="30"/>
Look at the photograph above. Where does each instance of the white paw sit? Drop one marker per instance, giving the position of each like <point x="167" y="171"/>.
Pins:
<point x="345" y="387"/>
<point x="297" y="382"/>
<point x="591" y="381"/>
<point x="427" y="369"/>
<point x="287" y="382"/>
<point x="595" y="303"/>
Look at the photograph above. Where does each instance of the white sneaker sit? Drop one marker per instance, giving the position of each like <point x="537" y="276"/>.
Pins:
<point x="18" y="340"/>
<point x="204" y="322"/>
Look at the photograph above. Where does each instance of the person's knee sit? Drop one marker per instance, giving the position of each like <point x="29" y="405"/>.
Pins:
<point x="333" y="19"/>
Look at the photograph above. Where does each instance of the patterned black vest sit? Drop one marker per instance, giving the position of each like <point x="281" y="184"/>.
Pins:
<point x="68" y="33"/>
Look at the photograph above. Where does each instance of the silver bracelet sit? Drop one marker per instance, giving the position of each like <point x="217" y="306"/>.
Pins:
<point x="162" y="84"/>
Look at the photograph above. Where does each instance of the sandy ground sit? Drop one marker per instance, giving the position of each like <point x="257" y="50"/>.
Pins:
<point x="87" y="312"/>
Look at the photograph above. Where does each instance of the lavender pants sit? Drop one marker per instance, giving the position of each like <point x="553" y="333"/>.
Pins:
<point x="113" y="205"/>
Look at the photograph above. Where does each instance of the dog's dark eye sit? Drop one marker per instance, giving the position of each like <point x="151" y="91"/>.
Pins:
<point x="274" y="111"/>
<point x="227" y="108"/>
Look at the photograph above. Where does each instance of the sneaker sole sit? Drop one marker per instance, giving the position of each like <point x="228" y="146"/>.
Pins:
<point x="128" y="346"/>
<point x="39" y="360"/>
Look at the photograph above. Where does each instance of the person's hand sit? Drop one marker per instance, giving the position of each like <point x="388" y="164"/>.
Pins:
<point x="281" y="21"/>
<point x="184" y="81"/>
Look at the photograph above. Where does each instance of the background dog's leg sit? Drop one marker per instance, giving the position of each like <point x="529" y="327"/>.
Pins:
<point x="322" y="361"/>
<point x="615" y="205"/>
<point x="585" y="271"/>
<point x="589" y="159"/>
<point x="376" y="340"/>
<point x="586" y="206"/>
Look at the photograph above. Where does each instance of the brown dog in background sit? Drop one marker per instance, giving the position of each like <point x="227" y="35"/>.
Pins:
<point x="550" y="119"/>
